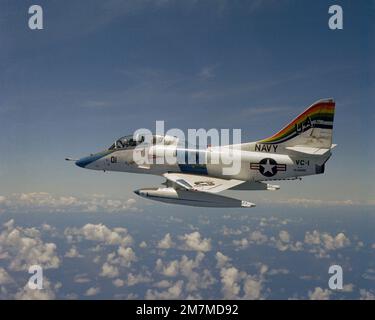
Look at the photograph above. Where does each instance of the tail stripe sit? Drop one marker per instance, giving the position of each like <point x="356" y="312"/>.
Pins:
<point x="321" y="113"/>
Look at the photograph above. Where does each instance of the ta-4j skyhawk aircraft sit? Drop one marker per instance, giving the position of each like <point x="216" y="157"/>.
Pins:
<point x="301" y="148"/>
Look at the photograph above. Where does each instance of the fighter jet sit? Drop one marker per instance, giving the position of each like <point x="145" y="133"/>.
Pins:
<point x="300" y="148"/>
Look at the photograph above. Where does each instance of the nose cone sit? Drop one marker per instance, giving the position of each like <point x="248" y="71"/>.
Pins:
<point x="84" y="162"/>
<point x="136" y="192"/>
<point x="81" y="163"/>
<point x="87" y="162"/>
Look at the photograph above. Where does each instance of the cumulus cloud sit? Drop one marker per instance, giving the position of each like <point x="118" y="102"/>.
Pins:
<point x="166" y="242"/>
<point x="242" y="243"/>
<point x="188" y="268"/>
<point x="172" y="293"/>
<point x="143" y="244"/>
<point x="366" y="295"/>
<point x="163" y="284"/>
<point x="118" y="283"/>
<point x="24" y="247"/>
<point x="134" y="279"/>
<point x="5" y="278"/>
<point x="73" y="253"/>
<point x="169" y="269"/>
<point x="255" y="237"/>
<point x="46" y="202"/>
<point x="252" y="288"/>
<point x="47" y="293"/>
<point x="229" y="279"/>
<point x="319" y="294"/>
<point x="99" y="233"/>
<point x="232" y="280"/>
<point x="93" y="291"/>
<point x="323" y="242"/>
<point x="258" y="237"/>
<point x="109" y="270"/>
<point x="221" y="259"/>
<point x="283" y="242"/>
<point x="193" y="241"/>
<point x="123" y="257"/>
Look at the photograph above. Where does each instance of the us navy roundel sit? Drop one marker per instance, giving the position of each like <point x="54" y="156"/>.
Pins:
<point x="268" y="167"/>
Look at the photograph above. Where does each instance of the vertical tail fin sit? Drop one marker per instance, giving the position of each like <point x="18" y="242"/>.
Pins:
<point x="312" y="128"/>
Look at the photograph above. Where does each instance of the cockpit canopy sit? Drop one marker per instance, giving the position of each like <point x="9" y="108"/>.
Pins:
<point x="126" y="142"/>
<point x="131" y="141"/>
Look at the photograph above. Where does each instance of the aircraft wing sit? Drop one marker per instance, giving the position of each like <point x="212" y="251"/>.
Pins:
<point x="200" y="183"/>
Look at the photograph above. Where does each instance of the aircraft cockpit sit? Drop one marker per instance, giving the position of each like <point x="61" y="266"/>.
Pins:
<point x="132" y="141"/>
<point x="127" y="142"/>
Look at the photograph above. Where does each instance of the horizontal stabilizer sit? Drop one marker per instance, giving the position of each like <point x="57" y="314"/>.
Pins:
<point x="309" y="150"/>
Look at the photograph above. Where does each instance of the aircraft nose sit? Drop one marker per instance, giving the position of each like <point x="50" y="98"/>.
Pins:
<point x="86" y="161"/>
<point x="81" y="163"/>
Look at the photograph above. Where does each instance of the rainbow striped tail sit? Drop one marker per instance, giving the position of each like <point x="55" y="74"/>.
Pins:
<point x="312" y="128"/>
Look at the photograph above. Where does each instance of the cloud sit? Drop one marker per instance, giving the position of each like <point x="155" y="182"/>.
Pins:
<point x="47" y="203"/>
<point x="304" y="202"/>
<point x="242" y="243"/>
<point x="73" y="253"/>
<point x="109" y="271"/>
<point x="283" y="242"/>
<point x="143" y="244"/>
<point x="194" y="242"/>
<point x="319" y="294"/>
<point x="166" y="242"/>
<point x="99" y="233"/>
<point x="47" y="293"/>
<point x="258" y="237"/>
<point x="232" y="280"/>
<point x="229" y="279"/>
<point x="323" y="242"/>
<point x="134" y="279"/>
<point x="81" y="278"/>
<point x="255" y="237"/>
<point x="274" y="272"/>
<point x="221" y="259"/>
<point x="229" y="231"/>
<point x="123" y="257"/>
<point x="172" y="293"/>
<point x="366" y="295"/>
<point x="5" y="278"/>
<point x="118" y="283"/>
<point x="207" y="72"/>
<point x="187" y="268"/>
<point x="252" y="288"/>
<point x="24" y="247"/>
<point x="93" y="291"/>
<point x="170" y="269"/>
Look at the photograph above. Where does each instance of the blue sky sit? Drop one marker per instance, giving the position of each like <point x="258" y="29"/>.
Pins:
<point x="102" y="69"/>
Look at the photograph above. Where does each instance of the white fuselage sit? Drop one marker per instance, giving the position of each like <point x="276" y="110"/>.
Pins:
<point x="214" y="162"/>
